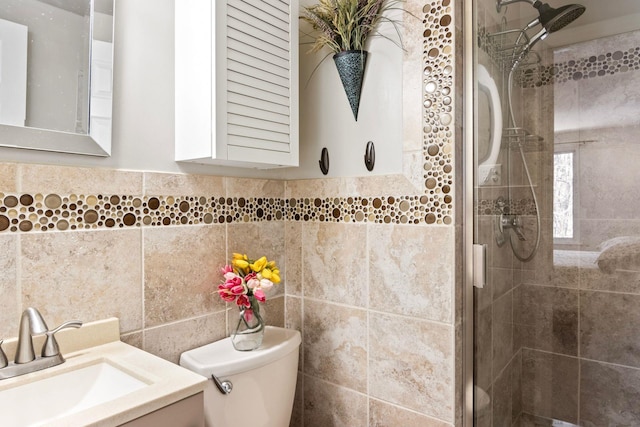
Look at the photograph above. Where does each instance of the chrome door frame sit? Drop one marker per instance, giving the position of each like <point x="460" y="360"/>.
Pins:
<point x="468" y="219"/>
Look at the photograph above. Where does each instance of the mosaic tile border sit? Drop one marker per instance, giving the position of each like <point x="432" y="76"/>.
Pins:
<point x="517" y="207"/>
<point x="601" y="65"/>
<point x="593" y="66"/>
<point x="438" y="107"/>
<point x="55" y="212"/>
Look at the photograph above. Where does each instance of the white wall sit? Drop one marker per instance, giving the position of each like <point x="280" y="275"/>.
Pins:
<point x="326" y="119"/>
<point x="143" y="120"/>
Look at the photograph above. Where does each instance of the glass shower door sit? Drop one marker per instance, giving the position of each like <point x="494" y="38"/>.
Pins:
<point x="556" y="325"/>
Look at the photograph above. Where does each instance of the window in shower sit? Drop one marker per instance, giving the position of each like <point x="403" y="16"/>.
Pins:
<point x="564" y="196"/>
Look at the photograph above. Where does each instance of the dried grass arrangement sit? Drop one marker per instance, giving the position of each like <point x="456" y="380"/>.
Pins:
<point x="343" y="25"/>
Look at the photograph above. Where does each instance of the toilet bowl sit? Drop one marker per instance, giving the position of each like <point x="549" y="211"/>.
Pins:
<point x="262" y="382"/>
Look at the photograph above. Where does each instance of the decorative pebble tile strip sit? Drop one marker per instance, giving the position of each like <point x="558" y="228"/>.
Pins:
<point x="23" y="213"/>
<point x="439" y="108"/>
<point x="517" y="207"/>
<point x="603" y="64"/>
<point x="45" y="212"/>
<point x="596" y="65"/>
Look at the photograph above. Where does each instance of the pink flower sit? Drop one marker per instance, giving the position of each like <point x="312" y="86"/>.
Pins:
<point x="248" y="314"/>
<point x="243" y="300"/>
<point x="226" y="269"/>
<point x="259" y="294"/>
<point x="234" y="281"/>
<point x="225" y="294"/>
<point x="253" y="283"/>
<point x="237" y="290"/>
<point x="266" y="284"/>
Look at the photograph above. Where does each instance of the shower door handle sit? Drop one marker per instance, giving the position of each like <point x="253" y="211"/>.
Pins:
<point x="479" y="265"/>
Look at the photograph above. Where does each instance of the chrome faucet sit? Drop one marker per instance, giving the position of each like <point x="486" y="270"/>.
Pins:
<point x="32" y="323"/>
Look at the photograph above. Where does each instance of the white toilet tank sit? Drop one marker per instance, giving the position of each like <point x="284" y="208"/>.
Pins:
<point x="263" y="380"/>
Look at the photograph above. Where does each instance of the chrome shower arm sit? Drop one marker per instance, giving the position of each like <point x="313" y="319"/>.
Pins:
<point x="500" y="3"/>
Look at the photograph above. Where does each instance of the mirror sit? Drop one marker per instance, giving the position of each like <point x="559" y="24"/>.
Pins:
<point x="56" y="67"/>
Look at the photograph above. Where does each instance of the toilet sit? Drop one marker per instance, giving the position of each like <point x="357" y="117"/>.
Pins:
<point x="262" y="382"/>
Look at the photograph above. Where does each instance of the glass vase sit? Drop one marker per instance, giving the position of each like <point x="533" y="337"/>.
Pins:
<point x="249" y="331"/>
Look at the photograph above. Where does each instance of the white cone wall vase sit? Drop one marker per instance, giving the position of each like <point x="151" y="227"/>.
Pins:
<point x="350" y="65"/>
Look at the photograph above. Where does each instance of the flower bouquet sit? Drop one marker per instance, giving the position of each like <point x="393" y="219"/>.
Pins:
<point x="246" y="282"/>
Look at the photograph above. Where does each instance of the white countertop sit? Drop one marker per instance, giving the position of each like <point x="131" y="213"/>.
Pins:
<point x="99" y="341"/>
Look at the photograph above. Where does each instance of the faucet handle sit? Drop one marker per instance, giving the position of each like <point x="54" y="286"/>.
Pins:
<point x="50" y="347"/>
<point x="3" y="357"/>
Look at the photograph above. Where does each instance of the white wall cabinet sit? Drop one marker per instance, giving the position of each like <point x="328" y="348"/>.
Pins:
<point x="236" y="79"/>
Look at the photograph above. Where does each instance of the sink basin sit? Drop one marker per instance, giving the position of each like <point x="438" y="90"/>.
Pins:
<point x="39" y="402"/>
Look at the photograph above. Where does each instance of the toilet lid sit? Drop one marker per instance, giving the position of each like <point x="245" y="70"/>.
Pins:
<point x="220" y="358"/>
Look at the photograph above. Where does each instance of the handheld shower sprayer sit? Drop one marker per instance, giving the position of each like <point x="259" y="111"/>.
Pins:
<point x="550" y="18"/>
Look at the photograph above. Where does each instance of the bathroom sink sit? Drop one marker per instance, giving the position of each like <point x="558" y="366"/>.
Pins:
<point x="40" y="401"/>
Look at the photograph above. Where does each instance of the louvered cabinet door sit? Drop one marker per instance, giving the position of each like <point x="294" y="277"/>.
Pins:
<point x="237" y="82"/>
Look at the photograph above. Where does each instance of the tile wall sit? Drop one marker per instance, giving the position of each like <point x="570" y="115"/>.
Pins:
<point x="576" y="323"/>
<point x="369" y="265"/>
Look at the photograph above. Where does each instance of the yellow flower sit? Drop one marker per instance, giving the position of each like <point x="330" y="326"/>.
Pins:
<point x="259" y="264"/>
<point x="240" y="261"/>
<point x="273" y="275"/>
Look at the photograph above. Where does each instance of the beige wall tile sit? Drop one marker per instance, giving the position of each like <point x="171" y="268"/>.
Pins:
<point x="246" y="187"/>
<point x="170" y="341"/>
<point x="610" y="327"/>
<point x="182" y="271"/>
<point x="158" y="184"/>
<point x="334" y="265"/>
<point x="313" y="188"/>
<point x="626" y="281"/>
<point x="273" y="311"/>
<point x="411" y="364"/>
<point x="9" y="293"/>
<point x="374" y="186"/>
<point x="382" y="414"/>
<point x="547" y="318"/>
<point x="411" y="270"/>
<point x="293" y="320"/>
<point x="328" y="405"/>
<point x="293" y="306"/>
<point x="483" y="356"/>
<point x="502" y="402"/>
<point x="298" y="404"/>
<point x="550" y="385"/>
<point x="8" y="178"/>
<point x="335" y="344"/>
<point x="73" y="180"/>
<point x="502" y="333"/>
<point x="135" y="339"/>
<point x="608" y="395"/>
<point x="87" y="275"/>
<point x="293" y="251"/>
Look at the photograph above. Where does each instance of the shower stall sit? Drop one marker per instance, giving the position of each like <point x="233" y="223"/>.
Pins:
<point x="556" y="213"/>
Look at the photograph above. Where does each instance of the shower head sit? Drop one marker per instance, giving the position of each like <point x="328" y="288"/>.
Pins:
<point x="550" y="18"/>
<point x="556" y="19"/>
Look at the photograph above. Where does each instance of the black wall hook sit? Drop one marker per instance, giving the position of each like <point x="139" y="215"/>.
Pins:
<point x="370" y="156"/>
<point x="324" y="161"/>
